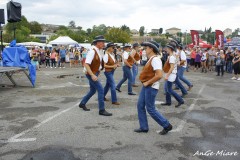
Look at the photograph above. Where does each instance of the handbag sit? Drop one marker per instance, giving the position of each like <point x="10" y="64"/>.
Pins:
<point x="166" y="67"/>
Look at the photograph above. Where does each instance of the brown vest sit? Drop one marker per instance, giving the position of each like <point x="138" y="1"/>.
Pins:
<point x="95" y="63"/>
<point x="130" y="60"/>
<point x="109" y="63"/>
<point x="147" y="72"/>
<point x="136" y="56"/>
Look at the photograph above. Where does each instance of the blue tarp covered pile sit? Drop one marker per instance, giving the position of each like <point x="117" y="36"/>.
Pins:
<point x="18" y="56"/>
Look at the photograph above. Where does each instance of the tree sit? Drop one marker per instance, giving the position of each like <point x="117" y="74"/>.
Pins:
<point x="160" y="30"/>
<point x="141" y="30"/>
<point x="117" y="35"/>
<point x="89" y="31"/>
<point x="72" y="24"/>
<point x="235" y="33"/>
<point x="167" y="35"/>
<point x="125" y="28"/>
<point x="35" y="27"/>
<point x="162" y="41"/>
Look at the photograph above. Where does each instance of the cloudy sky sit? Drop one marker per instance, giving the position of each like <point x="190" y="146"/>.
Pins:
<point x="153" y="14"/>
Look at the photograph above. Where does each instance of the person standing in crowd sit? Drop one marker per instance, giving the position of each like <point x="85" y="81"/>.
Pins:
<point x="110" y="64"/>
<point x="119" y="54"/>
<point x="58" y="60"/>
<point x="71" y="57"/>
<point x="198" y="59"/>
<point x="76" y="57"/>
<point x="193" y="57"/>
<point x="150" y="76"/>
<point x="229" y="59"/>
<point x="53" y="58"/>
<point x="127" y="65"/>
<point x="35" y="58"/>
<point x="211" y="59"/>
<point x="42" y="57"/>
<point x="136" y="59"/>
<point x="170" y="77"/>
<point x="236" y="66"/>
<point x="62" y="53"/>
<point x="204" y="61"/>
<point x="47" y="57"/>
<point x="220" y="63"/>
<point x="84" y="55"/>
<point x="93" y="65"/>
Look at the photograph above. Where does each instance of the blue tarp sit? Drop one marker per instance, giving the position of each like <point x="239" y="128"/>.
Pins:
<point x="18" y="56"/>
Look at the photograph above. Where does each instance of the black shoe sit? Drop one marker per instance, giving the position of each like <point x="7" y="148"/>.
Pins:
<point x="105" y="99"/>
<point x="104" y="113"/>
<point x="166" y="130"/>
<point x="190" y="87"/>
<point x="140" y="131"/>
<point x="132" y="94"/>
<point x="166" y="104"/>
<point x="184" y="95"/>
<point x="83" y="107"/>
<point x="179" y="104"/>
<point x="118" y="90"/>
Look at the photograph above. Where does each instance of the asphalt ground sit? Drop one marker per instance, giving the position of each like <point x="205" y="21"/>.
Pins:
<point x="45" y="122"/>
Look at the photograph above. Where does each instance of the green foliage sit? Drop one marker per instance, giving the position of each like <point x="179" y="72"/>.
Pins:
<point x="141" y="30"/>
<point x="35" y="27"/>
<point x="125" y="28"/>
<point x="72" y="24"/>
<point x="162" y="41"/>
<point x="117" y="35"/>
<point x="160" y="30"/>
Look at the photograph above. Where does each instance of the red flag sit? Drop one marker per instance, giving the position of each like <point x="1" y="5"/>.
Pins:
<point x="195" y="37"/>
<point x="219" y="39"/>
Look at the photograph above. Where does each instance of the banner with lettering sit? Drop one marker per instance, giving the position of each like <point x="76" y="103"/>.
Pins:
<point x="219" y="38"/>
<point x="195" y="37"/>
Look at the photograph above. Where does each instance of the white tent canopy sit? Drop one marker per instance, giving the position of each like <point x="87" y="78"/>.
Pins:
<point x="34" y="44"/>
<point x="63" y="40"/>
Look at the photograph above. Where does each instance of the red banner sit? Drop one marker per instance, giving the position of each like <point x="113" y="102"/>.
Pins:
<point x="195" y="37"/>
<point x="219" y="39"/>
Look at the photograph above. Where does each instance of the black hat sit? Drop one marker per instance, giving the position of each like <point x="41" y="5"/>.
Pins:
<point x="127" y="45"/>
<point x="175" y="42"/>
<point x="172" y="46"/>
<point x="135" y="45"/>
<point x="153" y="45"/>
<point x="180" y="45"/>
<point x="99" y="38"/>
<point x="110" y="44"/>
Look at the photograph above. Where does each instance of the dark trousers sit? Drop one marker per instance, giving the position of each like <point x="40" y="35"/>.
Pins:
<point x="47" y="62"/>
<point x="220" y="69"/>
<point x="53" y="62"/>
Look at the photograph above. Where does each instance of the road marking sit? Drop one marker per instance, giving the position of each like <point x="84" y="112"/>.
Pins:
<point x="159" y="102"/>
<point x="16" y="137"/>
<point x="183" y="121"/>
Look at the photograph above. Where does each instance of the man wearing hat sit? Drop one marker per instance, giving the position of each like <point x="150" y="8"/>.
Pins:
<point x="150" y="76"/>
<point x="127" y="65"/>
<point x="92" y="67"/>
<point x="110" y="64"/>
<point x="136" y="58"/>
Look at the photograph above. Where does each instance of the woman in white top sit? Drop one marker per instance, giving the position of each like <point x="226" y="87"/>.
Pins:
<point x="110" y="64"/>
<point x="170" y="77"/>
